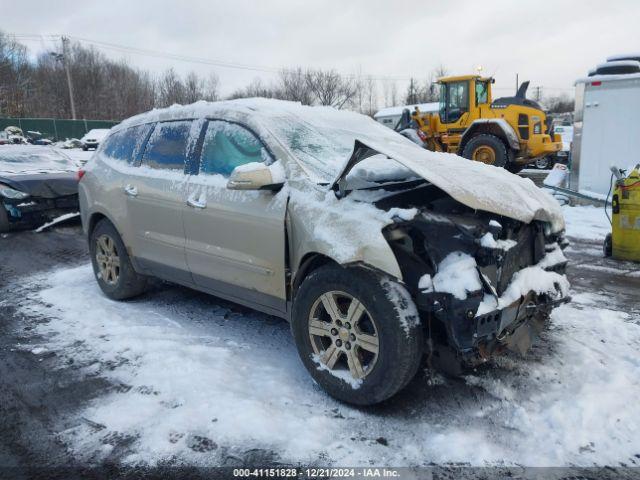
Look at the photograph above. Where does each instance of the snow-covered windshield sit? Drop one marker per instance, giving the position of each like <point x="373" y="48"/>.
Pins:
<point x="323" y="138"/>
<point x="33" y="159"/>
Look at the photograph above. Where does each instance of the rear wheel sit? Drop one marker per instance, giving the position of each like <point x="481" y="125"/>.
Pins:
<point x="111" y="264"/>
<point x="487" y="149"/>
<point x="358" y="335"/>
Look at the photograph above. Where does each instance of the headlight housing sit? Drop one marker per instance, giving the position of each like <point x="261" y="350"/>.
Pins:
<point x="12" y="193"/>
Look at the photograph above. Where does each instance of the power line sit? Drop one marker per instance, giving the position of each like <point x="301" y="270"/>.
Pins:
<point x="216" y="62"/>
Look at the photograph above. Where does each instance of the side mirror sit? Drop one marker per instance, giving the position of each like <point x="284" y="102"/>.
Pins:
<point x="252" y="176"/>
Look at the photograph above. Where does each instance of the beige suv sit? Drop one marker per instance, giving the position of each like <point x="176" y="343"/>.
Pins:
<point x="378" y="252"/>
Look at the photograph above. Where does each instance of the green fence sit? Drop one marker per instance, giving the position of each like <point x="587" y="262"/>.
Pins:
<point x="55" y="129"/>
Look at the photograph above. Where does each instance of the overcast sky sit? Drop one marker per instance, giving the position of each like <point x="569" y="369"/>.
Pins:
<point x="550" y="43"/>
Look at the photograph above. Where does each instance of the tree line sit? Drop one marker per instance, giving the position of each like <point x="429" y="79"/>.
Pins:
<point x="107" y="89"/>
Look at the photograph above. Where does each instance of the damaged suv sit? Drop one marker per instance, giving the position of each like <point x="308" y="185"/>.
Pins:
<point x="378" y="252"/>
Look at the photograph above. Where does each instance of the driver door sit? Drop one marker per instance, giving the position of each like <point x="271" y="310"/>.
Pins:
<point x="235" y="240"/>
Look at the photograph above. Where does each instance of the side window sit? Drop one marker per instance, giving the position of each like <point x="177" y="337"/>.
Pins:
<point x="123" y="144"/>
<point x="228" y="145"/>
<point x="167" y="146"/>
<point x="481" y="93"/>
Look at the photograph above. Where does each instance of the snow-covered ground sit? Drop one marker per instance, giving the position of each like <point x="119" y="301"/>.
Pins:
<point x="195" y="379"/>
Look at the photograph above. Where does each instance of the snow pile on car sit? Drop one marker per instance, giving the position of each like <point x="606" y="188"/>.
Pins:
<point x="16" y="159"/>
<point x="458" y="275"/>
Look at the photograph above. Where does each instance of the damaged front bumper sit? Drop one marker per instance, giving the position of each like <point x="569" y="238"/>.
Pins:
<point x="515" y="326"/>
<point x="32" y="211"/>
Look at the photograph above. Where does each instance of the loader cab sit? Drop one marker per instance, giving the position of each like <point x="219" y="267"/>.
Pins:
<point x="461" y="97"/>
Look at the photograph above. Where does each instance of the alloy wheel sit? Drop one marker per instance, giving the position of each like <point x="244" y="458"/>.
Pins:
<point x="108" y="259"/>
<point x="343" y="334"/>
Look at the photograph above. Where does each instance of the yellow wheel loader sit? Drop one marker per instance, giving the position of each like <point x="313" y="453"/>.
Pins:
<point x="508" y="132"/>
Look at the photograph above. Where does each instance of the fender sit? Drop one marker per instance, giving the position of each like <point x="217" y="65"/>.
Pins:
<point x="491" y="124"/>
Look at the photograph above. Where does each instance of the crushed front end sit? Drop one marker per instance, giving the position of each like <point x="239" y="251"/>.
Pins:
<point x="29" y="200"/>
<point x="482" y="282"/>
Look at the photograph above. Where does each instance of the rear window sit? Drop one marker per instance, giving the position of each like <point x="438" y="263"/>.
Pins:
<point x="167" y="146"/>
<point x="124" y="144"/>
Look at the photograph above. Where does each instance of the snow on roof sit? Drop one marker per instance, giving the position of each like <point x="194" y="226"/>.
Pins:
<point x="609" y="78"/>
<point x="393" y="111"/>
<point x="619" y="63"/>
<point x="628" y="56"/>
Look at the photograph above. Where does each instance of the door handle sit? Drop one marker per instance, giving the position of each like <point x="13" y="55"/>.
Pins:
<point x="131" y="190"/>
<point x="196" y="204"/>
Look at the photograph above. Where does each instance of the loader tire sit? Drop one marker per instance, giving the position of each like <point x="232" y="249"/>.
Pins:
<point x="487" y="149"/>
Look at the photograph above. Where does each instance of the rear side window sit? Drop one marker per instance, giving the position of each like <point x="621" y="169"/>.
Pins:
<point x="167" y="146"/>
<point x="123" y="144"/>
<point x="229" y="145"/>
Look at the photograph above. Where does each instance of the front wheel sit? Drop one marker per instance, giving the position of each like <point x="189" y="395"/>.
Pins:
<point x="358" y="334"/>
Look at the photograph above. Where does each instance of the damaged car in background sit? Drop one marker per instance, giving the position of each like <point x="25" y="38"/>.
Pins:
<point x="37" y="184"/>
<point x="380" y="253"/>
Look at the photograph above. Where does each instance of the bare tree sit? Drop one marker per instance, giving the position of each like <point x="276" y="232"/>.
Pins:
<point x="390" y="93"/>
<point x="170" y="89"/>
<point x="330" y="88"/>
<point x="293" y="85"/>
<point x="15" y="71"/>
<point x="211" y="85"/>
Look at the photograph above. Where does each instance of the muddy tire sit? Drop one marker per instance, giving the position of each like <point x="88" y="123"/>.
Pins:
<point x="487" y="149"/>
<point x="111" y="264"/>
<point x="5" y="226"/>
<point x="607" y="246"/>
<point x="358" y="334"/>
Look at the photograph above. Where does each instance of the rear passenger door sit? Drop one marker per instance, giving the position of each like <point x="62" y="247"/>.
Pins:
<point x="235" y="240"/>
<point x="156" y="194"/>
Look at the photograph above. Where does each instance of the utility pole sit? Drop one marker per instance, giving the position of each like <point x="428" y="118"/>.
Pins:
<point x="65" y="61"/>
<point x="538" y="93"/>
<point x="517" y="82"/>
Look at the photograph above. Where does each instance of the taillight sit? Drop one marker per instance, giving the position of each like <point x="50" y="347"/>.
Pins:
<point x="79" y="175"/>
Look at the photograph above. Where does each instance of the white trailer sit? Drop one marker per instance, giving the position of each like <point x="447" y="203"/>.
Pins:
<point x="606" y="130"/>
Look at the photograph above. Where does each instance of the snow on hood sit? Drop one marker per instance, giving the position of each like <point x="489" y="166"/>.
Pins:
<point x="474" y="184"/>
<point x="17" y="159"/>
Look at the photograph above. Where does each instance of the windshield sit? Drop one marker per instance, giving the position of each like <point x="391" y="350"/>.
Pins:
<point x="26" y="158"/>
<point x="322" y="138"/>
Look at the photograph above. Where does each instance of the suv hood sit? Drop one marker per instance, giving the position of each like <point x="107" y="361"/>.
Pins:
<point x="474" y="184"/>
